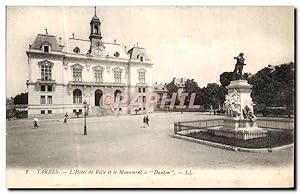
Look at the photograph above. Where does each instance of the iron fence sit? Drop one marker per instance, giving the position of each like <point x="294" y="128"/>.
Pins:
<point x="206" y="130"/>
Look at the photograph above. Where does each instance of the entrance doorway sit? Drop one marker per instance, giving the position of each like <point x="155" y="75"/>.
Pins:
<point x="98" y="97"/>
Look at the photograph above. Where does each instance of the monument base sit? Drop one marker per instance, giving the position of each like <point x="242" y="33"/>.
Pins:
<point x="237" y="128"/>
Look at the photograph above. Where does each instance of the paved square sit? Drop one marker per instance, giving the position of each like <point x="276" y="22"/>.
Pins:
<point x="122" y="142"/>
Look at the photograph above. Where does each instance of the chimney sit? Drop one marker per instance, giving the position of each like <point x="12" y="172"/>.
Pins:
<point x="115" y="41"/>
<point x="59" y="42"/>
<point x="73" y="35"/>
<point x="137" y="44"/>
<point x="125" y="48"/>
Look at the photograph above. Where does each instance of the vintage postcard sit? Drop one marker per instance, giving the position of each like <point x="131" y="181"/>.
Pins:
<point x="150" y="97"/>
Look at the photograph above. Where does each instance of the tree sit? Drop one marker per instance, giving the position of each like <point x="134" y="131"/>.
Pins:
<point x="191" y="86"/>
<point x="214" y="95"/>
<point x="284" y="77"/>
<point x="171" y="87"/>
<point x="226" y="77"/>
<point x="21" y="98"/>
<point x="274" y="87"/>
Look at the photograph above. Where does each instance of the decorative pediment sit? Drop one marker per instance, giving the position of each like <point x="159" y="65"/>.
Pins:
<point x="117" y="69"/>
<point x="141" y="70"/>
<point x="76" y="66"/>
<point x="45" y="62"/>
<point x="98" y="67"/>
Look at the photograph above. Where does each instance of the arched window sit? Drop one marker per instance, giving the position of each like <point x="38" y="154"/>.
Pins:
<point x="117" y="54"/>
<point x="116" y="93"/>
<point x="98" y="97"/>
<point x="96" y="29"/>
<point x="77" y="96"/>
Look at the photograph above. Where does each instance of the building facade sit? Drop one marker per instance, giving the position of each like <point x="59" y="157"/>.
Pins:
<point x="62" y="77"/>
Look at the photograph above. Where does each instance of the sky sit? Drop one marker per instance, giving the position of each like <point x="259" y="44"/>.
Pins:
<point x="191" y="42"/>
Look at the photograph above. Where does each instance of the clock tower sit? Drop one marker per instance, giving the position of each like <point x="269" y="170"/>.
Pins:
<point x="95" y="36"/>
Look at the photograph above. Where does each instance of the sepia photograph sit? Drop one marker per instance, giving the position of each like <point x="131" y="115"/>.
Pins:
<point x="150" y="97"/>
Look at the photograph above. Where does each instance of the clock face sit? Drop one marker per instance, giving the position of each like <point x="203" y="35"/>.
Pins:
<point x="97" y="52"/>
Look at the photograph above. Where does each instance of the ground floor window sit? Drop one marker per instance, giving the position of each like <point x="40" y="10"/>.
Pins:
<point x="42" y="112"/>
<point x="49" y="111"/>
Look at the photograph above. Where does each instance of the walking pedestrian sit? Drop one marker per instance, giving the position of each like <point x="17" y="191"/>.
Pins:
<point x="147" y="120"/>
<point x="66" y="118"/>
<point x="144" y="121"/>
<point x="35" y="123"/>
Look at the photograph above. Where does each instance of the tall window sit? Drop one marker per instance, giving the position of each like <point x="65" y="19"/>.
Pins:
<point x="43" y="100"/>
<point x="77" y="96"/>
<point x="98" y="75"/>
<point x="142" y="77"/>
<point x="118" y="76"/>
<point x="49" y="100"/>
<point x="77" y="73"/>
<point x="43" y="88"/>
<point x="46" y="71"/>
<point x="116" y="93"/>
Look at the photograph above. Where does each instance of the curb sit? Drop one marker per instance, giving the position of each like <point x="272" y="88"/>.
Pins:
<point x="228" y="147"/>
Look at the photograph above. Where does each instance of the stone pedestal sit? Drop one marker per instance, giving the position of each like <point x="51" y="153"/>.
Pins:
<point x="235" y="125"/>
<point x="240" y="128"/>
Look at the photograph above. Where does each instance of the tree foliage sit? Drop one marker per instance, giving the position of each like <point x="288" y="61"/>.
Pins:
<point x="21" y="98"/>
<point x="274" y="87"/>
<point x="171" y="87"/>
<point x="226" y="77"/>
<point x="213" y="95"/>
<point x="191" y="86"/>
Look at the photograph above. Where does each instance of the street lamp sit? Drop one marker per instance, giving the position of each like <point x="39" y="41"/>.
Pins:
<point x="85" y="105"/>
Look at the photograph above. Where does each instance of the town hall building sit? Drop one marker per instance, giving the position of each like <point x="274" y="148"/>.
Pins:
<point x="63" y="77"/>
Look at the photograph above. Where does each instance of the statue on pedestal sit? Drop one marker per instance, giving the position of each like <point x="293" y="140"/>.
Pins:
<point x="238" y="70"/>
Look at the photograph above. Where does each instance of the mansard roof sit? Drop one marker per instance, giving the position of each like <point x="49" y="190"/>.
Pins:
<point x="45" y="38"/>
<point x="136" y="52"/>
<point x="84" y="45"/>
